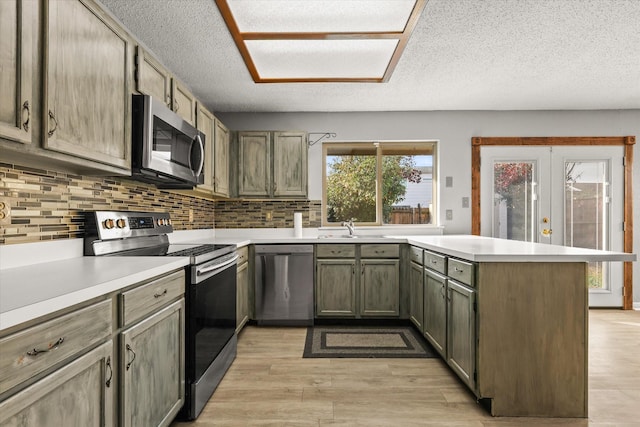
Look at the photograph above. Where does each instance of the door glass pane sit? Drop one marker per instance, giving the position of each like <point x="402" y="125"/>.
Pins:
<point x="351" y="185"/>
<point x="513" y="201"/>
<point x="586" y="212"/>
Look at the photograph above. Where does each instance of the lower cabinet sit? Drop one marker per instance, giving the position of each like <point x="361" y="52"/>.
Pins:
<point x="357" y="280"/>
<point x="435" y="310"/>
<point x="416" y="292"/>
<point x="380" y="287"/>
<point x="335" y="288"/>
<point x="461" y="332"/>
<point x="152" y="368"/>
<point x="242" y="294"/>
<point x="78" y="394"/>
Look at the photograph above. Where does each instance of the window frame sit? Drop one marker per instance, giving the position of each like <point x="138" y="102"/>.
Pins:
<point x="380" y="147"/>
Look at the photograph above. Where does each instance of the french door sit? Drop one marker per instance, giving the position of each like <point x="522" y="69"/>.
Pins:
<point x="571" y="196"/>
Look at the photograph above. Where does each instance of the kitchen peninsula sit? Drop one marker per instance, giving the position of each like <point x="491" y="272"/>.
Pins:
<point x="525" y="349"/>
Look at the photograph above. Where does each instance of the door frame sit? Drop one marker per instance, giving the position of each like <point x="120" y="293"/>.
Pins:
<point x="627" y="141"/>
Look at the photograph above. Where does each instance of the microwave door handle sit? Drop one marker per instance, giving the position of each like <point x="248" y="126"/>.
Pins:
<point x="201" y="146"/>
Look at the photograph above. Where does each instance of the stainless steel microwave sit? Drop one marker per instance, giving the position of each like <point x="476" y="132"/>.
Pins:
<point x="166" y="150"/>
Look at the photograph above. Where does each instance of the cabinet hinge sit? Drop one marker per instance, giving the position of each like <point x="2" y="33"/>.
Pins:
<point x="624" y="161"/>
<point x="624" y="226"/>
<point x="475" y="376"/>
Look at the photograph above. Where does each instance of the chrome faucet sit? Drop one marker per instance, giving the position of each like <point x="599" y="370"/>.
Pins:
<point x="350" y="226"/>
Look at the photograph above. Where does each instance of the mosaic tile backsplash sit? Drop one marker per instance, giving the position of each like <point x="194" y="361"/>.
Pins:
<point x="46" y="205"/>
<point x="266" y="213"/>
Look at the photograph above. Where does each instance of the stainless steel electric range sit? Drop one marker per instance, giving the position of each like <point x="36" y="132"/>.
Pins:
<point x="210" y="294"/>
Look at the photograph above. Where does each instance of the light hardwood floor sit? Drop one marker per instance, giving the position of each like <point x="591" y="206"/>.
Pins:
<point x="270" y="384"/>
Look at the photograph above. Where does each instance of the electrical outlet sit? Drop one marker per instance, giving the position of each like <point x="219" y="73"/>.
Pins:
<point x="448" y="181"/>
<point x="465" y="202"/>
<point x="269" y="215"/>
<point x="312" y="216"/>
<point x="5" y="211"/>
<point x="190" y="215"/>
<point x="449" y="214"/>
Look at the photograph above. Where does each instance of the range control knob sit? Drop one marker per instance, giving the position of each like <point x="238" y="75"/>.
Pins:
<point x="108" y="223"/>
<point x="121" y="223"/>
<point x="169" y="221"/>
<point x="161" y="222"/>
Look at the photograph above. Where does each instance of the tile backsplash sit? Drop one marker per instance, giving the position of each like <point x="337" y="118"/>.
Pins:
<point x="266" y="213"/>
<point x="46" y="205"/>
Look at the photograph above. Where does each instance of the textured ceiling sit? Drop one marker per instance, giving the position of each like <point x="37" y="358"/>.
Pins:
<point x="463" y="55"/>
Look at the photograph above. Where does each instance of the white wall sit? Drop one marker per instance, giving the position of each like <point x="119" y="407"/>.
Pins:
<point x="454" y="130"/>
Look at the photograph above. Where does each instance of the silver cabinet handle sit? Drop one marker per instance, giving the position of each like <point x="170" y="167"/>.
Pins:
<point x="36" y="352"/>
<point x="133" y="358"/>
<point x="163" y="293"/>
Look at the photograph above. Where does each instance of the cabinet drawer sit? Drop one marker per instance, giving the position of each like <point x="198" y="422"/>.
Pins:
<point x="461" y="271"/>
<point x="380" y="251"/>
<point x="415" y="254"/>
<point x="142" y="300"/>
<point x="336" y="251"/>
<point x="29" y="352"/>
<point x="435" y="262"/>
<point x="243" y="255"/>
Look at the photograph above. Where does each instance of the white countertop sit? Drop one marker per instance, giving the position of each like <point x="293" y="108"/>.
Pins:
<point x="40" y="289"/>
<point x="488" y="249"/>
<point x="30" y="291"/>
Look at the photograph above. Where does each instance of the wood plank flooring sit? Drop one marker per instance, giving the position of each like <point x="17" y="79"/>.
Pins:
<point x="270" y="384"/>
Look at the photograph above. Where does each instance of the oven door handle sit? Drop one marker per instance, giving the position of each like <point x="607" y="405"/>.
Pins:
<point x="206" y="270"/>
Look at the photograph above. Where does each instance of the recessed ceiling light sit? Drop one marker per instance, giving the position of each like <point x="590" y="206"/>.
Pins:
<point x="284" y="41"/>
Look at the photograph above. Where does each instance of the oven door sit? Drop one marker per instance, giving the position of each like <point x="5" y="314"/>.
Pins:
<point x="165" y="144"/>
<point x="211" y="313"/>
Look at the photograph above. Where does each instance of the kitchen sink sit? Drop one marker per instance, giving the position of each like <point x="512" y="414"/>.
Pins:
<point x="351" y="236"/>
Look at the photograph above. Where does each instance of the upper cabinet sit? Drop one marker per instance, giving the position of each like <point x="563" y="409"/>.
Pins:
<point x="272" y="164"/>
<point x="87" y="96"/>
<point x="289" y="164"/>
<point x="153" y="79"/>
<point x="18" y="37"/>
<point x="206" y="122"/>
<point x="254" y="157"/>
<point x="221" y="160"/>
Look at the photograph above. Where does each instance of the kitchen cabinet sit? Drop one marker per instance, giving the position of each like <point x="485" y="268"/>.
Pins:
<point x="18" y="36"/>
<point x="242" y="295"/>
<point x="357" y="280"/>
<point x="272" y="164"/>
<point x="153" y="79"/>
<point x="221" y="146"/>
<point x="335" y="288"/>
<point x="152" y="352"/>
<point x="87" y="96"/>
<point x="206" y="125"/>
<point x="78" y="394"/>
<point x="435" y="310"/>
<point x="461" y="332"/>
<point x="416" y="295"/>
<point x="60" y="369"/>
<point x="290" y="164"/>
<point x="183" y="101"/>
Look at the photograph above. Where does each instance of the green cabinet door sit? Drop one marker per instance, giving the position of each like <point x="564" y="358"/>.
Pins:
<point x="335" y="288"/>
<point x="416" y="292"/>
<point x="87" y="108"/>
<point x="435" y="310"/>
<point x="461" y="331"/>
<point x="254" y="160"/>
<point x="379" y="287"/>
<point x="152" y="368"/>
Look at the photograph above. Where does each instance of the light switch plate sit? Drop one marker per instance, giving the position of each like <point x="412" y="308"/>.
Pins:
<point x="448" y="181"/>
<point x="449" y="214"/>
<point x="465" y="202"/>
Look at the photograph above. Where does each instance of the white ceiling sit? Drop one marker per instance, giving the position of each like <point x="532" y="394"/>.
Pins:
<point x="463" y="55"/>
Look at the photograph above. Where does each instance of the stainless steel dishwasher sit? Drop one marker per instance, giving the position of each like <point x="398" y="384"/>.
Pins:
<point x="284" y="284"/>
